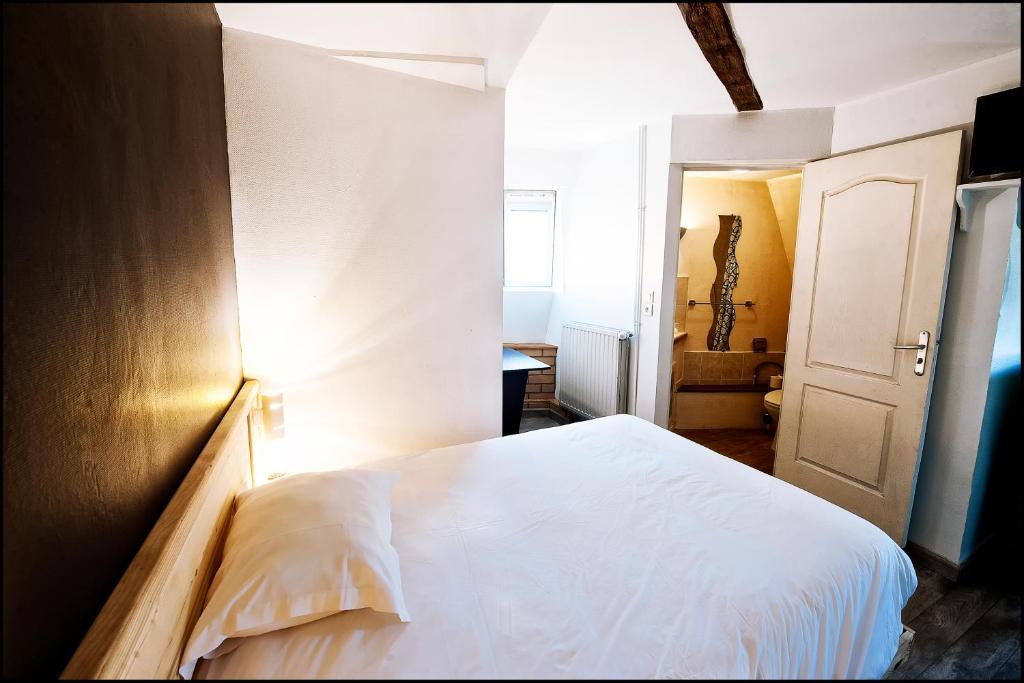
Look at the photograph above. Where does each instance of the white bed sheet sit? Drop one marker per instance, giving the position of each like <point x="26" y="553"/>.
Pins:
<point x="608" y="548"/>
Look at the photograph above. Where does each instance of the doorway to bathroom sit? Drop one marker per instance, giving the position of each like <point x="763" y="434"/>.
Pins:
<point x="733" y="282"/>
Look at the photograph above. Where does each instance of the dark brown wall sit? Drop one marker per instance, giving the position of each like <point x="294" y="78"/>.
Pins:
<point x="121" y="348"/>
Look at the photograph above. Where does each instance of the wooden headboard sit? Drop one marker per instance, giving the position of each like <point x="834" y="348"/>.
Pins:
<point x="142" y="629"/>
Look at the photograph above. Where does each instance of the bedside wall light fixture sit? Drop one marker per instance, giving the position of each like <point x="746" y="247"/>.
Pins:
<point x="273" y="414"/>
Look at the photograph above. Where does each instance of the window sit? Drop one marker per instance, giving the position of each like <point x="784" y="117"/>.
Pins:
<point x="529" y="238"/>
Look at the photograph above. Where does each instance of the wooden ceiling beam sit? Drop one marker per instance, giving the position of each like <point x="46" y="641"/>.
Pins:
<point x="713" y="32"/>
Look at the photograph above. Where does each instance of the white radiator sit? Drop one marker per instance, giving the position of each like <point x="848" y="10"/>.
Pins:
<point x="593" y="369"/>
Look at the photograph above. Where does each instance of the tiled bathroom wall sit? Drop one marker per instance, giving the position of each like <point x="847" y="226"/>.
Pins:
<point x="729" y="367"/>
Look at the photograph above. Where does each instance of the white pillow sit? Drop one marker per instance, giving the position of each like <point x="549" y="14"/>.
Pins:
<point x="298" y="549"/>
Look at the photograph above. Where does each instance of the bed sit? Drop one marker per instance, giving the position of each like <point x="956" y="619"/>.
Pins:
<point x="606" y="548"/>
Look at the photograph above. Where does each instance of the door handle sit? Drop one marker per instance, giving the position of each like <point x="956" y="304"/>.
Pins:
<point x="922" y="351"/>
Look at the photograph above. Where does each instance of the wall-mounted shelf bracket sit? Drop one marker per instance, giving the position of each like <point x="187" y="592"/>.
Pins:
<point x="966" y="193"/>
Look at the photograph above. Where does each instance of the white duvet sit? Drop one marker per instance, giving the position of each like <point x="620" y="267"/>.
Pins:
<point x="608" y="548"/>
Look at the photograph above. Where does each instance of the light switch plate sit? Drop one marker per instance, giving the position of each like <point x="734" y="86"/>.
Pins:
<point x="649" y="303"/>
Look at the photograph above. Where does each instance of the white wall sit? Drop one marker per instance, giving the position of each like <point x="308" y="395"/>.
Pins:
<point x="598" y="256"/>
<point x="525" y="315"/>
<point x="526" y="312"/>
<point x="662" y="202"/>
<point x="958" y="402"/>
<point x="936" y="103"/>
<point x="596" y="240"/>
<point x="785" y="135"/>
<point x="367" y="212"/>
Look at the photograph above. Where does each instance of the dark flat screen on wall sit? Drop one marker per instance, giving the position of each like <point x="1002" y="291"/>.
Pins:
<point x="995" y="151"/>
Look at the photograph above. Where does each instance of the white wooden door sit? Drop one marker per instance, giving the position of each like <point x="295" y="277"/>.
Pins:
<point x="872" y="253"/>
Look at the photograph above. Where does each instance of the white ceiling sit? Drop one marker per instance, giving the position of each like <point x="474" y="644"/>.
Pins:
<point x="817" y="55"/>
<point x="595" y="71"/>
<point x="497" y="32"/>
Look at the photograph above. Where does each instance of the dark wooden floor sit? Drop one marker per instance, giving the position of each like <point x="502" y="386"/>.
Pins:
<point x="750" y="446"/>
<point x="530" y="424"/>
<point x="968" y="629"/>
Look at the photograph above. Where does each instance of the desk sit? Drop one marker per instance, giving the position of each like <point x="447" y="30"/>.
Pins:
<point x="515" y="367"/>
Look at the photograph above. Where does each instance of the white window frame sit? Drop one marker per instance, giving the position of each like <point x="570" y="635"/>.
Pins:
<point x="554" y="228"/>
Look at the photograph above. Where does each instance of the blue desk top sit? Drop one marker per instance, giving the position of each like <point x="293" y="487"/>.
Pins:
<point x="512" y="360"/>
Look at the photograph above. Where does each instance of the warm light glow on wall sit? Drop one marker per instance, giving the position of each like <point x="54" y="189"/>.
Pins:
<point x="198" y="398"/>
<point x="367" y="264"/>
<point x="691" y="217"/>
<point x="273" y="415"/>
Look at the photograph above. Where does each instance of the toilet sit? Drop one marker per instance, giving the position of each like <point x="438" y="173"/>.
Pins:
<point x="772" y="404"/>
